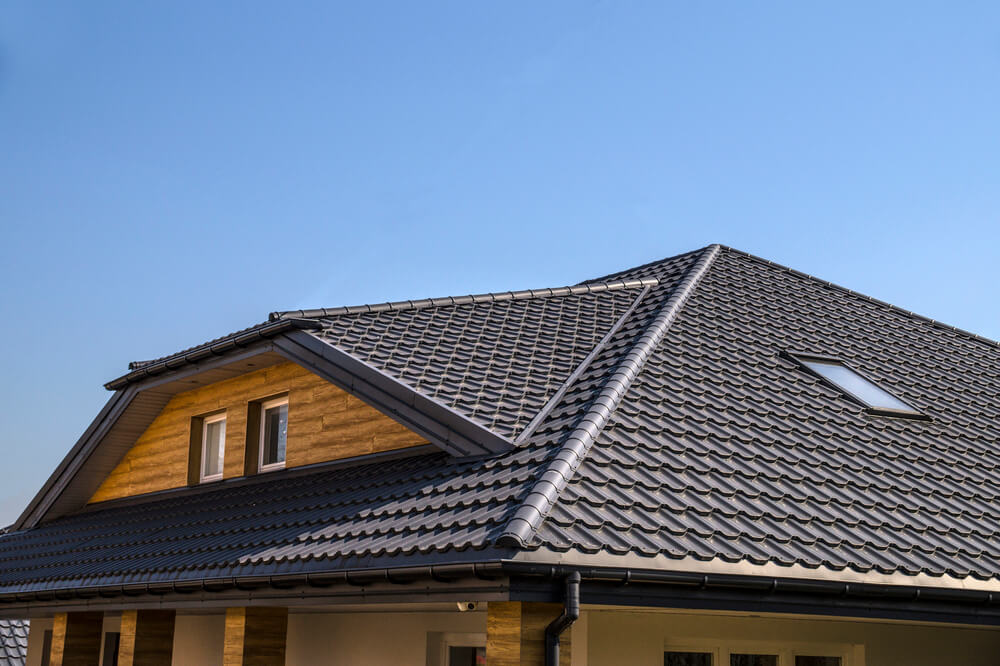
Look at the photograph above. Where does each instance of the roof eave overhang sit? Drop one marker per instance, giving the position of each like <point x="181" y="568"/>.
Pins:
<point x="505" y="579"/>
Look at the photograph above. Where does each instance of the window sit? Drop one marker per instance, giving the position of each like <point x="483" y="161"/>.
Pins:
<point x="453" y="649"/>
<point x="852" y="383"/>
<point x="708" y="652"/>
<point x="273" y="434"/>
<point x="213" y="447"/>
<point x="736" y="659"/>
<point x="466" y="655"/>
<point x="687" y="659"/>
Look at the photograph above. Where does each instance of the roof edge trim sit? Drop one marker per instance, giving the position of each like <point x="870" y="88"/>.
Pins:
<point x="75" y="459"/>
<point x="551" y="292"/>
<point x="202" y="352"/>
<point x="540" y="499"/>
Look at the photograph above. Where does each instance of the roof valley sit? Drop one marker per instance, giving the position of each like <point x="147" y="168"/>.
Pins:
<point x="545" y="493"/>
<point x="540" y="417"/>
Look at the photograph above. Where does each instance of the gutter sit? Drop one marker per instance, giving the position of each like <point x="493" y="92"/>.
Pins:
<point x="570" y="614"/>
<point x="534" y="582"/>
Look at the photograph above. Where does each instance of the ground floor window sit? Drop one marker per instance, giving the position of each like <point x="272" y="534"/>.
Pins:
<point x="747" y="653"/>
<point x="466" y="655"/>
<point x="455" y="649"/>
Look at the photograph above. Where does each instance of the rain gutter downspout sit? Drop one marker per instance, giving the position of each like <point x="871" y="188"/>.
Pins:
<point x="570" y="614"/>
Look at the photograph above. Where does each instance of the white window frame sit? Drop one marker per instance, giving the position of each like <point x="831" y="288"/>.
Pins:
<point x="264" y="406"/>
<point x="786" y="651"/>
<point x="205" y="422"/>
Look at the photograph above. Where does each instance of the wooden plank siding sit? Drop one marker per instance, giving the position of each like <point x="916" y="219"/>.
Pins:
<point x="324" y="423"/>
<point x="147" y="638"/>
<point x="255" y="636"/>
<point x="76" y="639"/>
<point x="515" y="633"/>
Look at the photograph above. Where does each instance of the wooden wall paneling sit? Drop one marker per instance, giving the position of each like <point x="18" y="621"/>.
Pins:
<point x="76" y="639"/>
<point x="255" y="636"/>
<point x="147" y="638"/>
<point x="324" y="423"/>
<point x="515" y="633"/>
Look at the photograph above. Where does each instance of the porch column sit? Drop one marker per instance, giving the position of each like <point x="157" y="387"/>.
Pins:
<point x="147" y="638"/>
<point x="255" y="636"/>
<point x="515" y="633"/>
<point x="76" y="639"/>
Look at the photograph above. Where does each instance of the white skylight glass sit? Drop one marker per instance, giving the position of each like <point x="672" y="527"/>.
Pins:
<point x="854" y="384"/>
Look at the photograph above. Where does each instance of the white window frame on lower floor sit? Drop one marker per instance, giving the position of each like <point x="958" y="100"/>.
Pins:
<point x="850" y="654"/>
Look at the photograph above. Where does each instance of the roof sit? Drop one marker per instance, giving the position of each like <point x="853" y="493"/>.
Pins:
<point x="13" y="642"/>
<point x="652" y="417"/>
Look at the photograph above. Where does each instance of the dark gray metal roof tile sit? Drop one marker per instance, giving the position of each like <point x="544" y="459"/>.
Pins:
<point x="722" y="447"/>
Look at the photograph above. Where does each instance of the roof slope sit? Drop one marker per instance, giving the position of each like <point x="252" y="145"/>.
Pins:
<point x="13" y="642"/>
<point x="426" y="508"/>
<point x="724" y="448"/>
<point x="497" y="361"/>
<point x="658" y="420"/>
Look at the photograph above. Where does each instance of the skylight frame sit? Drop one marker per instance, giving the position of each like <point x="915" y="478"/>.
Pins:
<point x="802" y="358"/>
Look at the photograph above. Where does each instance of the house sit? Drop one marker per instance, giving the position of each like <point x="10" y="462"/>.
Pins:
<point x="706" y="460"/>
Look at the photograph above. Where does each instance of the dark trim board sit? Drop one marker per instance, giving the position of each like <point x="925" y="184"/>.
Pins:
<point x="698" y="599"/>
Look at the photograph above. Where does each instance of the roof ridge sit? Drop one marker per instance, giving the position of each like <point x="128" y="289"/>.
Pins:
<point x="545" y="492"/>
<point x="895" y="308"/>
<point x="491" y="297"/>
<point x="648" y="264"/>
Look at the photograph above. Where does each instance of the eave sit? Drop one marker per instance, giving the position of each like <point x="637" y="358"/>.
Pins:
<point x="503" y="579"/>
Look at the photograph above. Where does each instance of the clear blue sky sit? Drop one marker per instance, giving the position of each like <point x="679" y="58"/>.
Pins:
<point x="170" y="172"/>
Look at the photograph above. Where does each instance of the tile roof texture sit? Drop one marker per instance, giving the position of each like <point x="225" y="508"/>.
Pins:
<point x="667" y="421"/>
<point x="13" y="642"/>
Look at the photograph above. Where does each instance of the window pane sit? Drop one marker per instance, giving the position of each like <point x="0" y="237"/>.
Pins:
<point x="856" y="385"/>
<point x="466" y="656"/>
<point x="753" y="660"/>
<point x="275" y="430"/>
<point x="817" y="661"/>
<point x="215" y="438"/>
<point x="687" y="659"/>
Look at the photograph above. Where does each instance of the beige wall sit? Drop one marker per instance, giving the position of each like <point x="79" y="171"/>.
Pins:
<point x="602" y="637"/>
<point x="375" y="639"/>
<point x="198" y="639"/>
<point x="112" y="623"/>
<point x="36" y="631"/>
<point x="637" y="638"/>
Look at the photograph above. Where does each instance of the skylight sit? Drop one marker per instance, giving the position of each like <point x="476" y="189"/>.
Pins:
<point x="856" y="386"/>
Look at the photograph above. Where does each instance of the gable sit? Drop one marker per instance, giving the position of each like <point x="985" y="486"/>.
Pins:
<point x="325" y="423"/>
